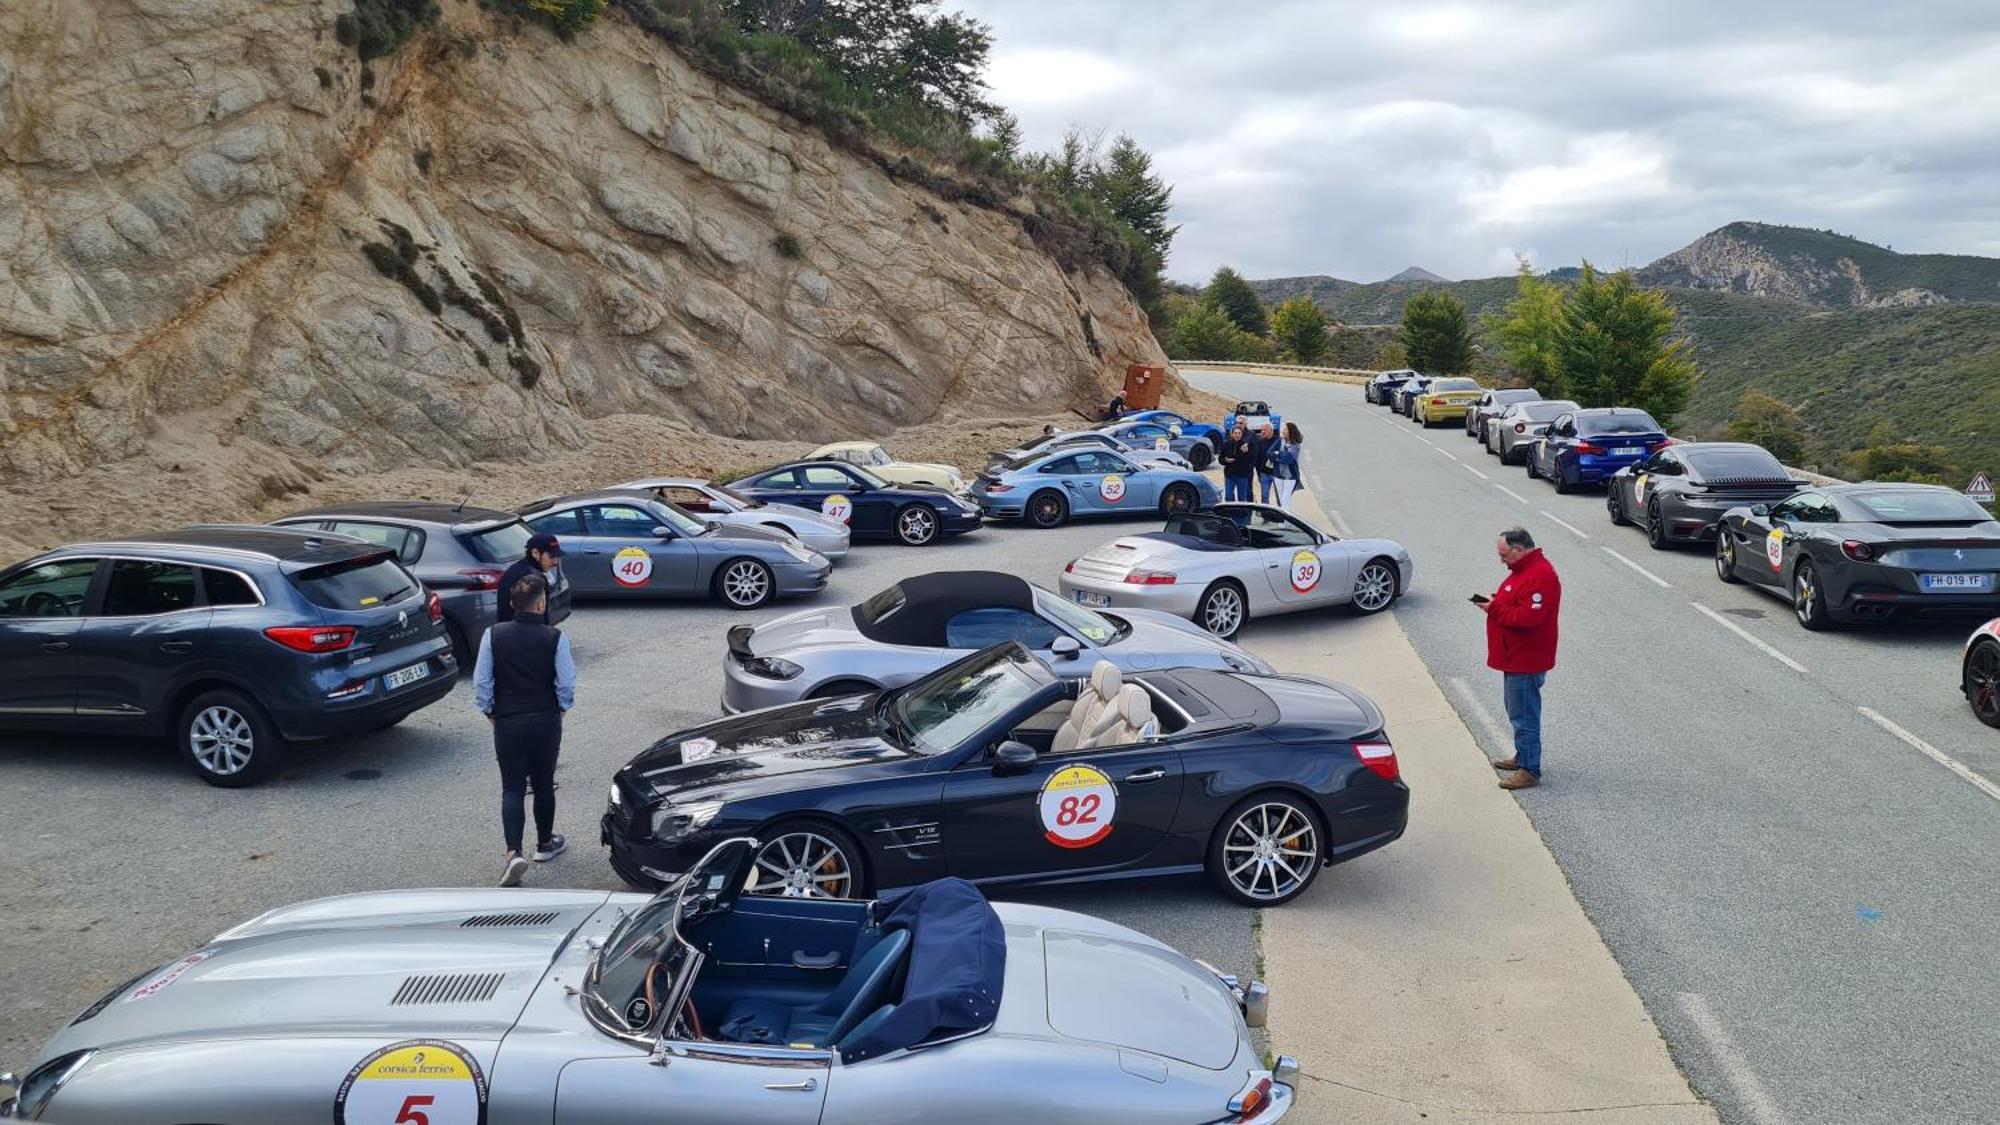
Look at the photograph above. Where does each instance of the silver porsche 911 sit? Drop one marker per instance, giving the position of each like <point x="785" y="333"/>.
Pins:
<point x="447" y="1007"/>
<point x="1222" y="567"/>
<point x="721" y="504"/>
<point x="923" y="623"/>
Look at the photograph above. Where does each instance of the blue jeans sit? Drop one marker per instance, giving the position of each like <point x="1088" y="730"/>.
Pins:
<point x="1267" y="488"/>
<point x="1524" y="710"/>
<point x="1238" y="488"/>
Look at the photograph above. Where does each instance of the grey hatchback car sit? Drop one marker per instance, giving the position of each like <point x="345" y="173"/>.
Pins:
<point x="232" y="639"/>
<point x="456" y="551"/>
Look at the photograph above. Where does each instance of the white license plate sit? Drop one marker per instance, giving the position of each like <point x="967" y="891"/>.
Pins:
<point x="1093" y="600"/>
<point x="401" y="676"/>
<point x="1978" y="583"/>
<point x="1629" y="450"/>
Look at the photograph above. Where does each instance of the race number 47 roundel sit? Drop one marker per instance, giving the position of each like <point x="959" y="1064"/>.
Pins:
<point x="837" y="507"/>
<point x="1305" y="570"/>
<point x="1112" y="488"/>
<point x="632" y="566"/>
<point x="415" y="1082"/>
<point x="1077" y="805"/>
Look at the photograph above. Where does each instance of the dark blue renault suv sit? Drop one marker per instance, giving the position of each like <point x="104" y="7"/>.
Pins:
<point x="232" y="640"/>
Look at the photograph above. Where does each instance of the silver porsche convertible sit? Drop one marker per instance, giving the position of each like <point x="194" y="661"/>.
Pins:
<point x="724" y="505"/>
<point x="1222" y="567"/>
<point x="925" y="622"/>
<point x="447" y="1007"/>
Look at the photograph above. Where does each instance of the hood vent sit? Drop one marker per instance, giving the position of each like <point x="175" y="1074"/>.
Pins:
<point x="496" y="921"/>
<point x="449" y="988"/>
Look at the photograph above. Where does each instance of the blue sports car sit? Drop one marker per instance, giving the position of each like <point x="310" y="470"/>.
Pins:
<point x="1046" y="489"/>
<point x="1171" y="419"/>
<point x="873" y="508"/>
<point x="1590" y="446"/>
<point x="1162" y="438"/>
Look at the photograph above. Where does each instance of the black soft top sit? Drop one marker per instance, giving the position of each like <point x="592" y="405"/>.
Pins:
<point x="915" y="610"/>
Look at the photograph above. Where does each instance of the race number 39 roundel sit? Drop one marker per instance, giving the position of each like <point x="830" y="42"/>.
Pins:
<point x="837" y="507"/>
<point x="427" y="1081"/>
<point x="1305" y="570"/>
<point x="632" y="566"/>
<point x="1112" y="489"/>
<point x="1077" y="805"/>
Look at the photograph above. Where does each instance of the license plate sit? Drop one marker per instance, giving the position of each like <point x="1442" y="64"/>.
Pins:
<point x="401" y="676"/>
<point x="1937" y="583"/>
<point x="1093" y="600"/>
<point x="1629" y="450"/>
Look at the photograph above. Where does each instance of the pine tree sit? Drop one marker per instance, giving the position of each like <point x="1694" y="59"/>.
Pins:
<point x="1616" y="347"/>
<point x="1204" y="332"/>
<point x="1124" y="182"/>
<point x="1229" y="292"/>
<point x="1300" y="325"/>
<point x="1762" y="420"/>
<point x="1436" y="335"/>
<point x="1528" y="330"/>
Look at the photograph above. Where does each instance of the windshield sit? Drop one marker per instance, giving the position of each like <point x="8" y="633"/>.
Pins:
<point x="1543" y="411"/>
<point x="1092" y="626"/>
<point x="640" y="965"/>
<point x="879" y="456"/>
<point x="1742" y="464"/>
<point x="356" y="584"/>
<point x="1455" y="385"/>
<point x="938" y="715"/>
<point x="736" y="497"/>
<point x="1627" y="422"/>
<point x="1516" y="394"/>
<point x="868" y="478"/>
<point x="1914" y="505"/>
<point x="678" y="519"/>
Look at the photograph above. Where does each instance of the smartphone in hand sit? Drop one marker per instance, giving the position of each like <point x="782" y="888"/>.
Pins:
<point x="1479" y="599"/>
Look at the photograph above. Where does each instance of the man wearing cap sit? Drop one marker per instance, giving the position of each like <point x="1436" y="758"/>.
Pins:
<point x="543" y="555"/>
<point x="524" y="682"/>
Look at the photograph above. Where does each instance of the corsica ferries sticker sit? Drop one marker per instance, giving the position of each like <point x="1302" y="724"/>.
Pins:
<point x="418" y="1080"/>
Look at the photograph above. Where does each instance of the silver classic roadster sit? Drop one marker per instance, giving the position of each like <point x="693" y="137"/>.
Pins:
<point x="581" y="1008"/>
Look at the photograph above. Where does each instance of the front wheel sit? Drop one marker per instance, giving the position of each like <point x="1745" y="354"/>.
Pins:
<point x="1222" y="610"/>
<point x="1656" y="528"/>
<point x="1808" y="600"/>
<point x="916" y="525"/>
<point x="1375" y="588"/>
<point x="1179" y="499"/>
<point x="1047" y="508"/>
<point x="1982" y="682"/>
<point x="1529" y="463"/>
<point x="807" y="859"/>
<point x="1725" y="558"/>
<point x="1267" y="851"/>
<point x="228" y="740"/>
<point x="745" y="584"/>
<point x="1200" y="456"/>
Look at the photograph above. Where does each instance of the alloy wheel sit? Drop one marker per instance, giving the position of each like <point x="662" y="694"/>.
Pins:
<point x="746" y="583"/>
<point x="1179" y="500"/>
<point x="1805" y="597"/>
<point x="1656" y="528"/>
<point x="1222" y="611"/>
<point x="1045" y="510"/>
<point x="802" y="865"/>
<point x="1983" y="679"/>
<point x="1725" y="556"/>
<point x="1270" y="851"/>
<point x="222" y="740"/>
<point x="1374" y="587"/>
<point x="917" y="525"/>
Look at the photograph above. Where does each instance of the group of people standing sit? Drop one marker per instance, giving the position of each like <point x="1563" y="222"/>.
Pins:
<point x="1262" y="467"/>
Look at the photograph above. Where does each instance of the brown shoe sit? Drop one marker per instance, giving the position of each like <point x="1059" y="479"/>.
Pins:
<point x="1506" y="764"/>
<point x="1519" y="779"/>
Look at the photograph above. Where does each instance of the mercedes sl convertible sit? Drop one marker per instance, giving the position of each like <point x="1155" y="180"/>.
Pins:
<point x="463" y="1007"/>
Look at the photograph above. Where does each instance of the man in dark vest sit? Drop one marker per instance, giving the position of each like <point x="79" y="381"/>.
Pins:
<point x="524" y="682"/>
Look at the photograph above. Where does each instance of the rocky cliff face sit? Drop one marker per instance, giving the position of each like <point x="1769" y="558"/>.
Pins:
<point x="217" y="232"/>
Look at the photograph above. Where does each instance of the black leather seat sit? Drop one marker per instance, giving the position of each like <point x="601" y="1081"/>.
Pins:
<point x="865" y="993"/>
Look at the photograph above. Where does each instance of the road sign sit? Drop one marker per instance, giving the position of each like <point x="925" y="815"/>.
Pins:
<point x="1981" y="488"/>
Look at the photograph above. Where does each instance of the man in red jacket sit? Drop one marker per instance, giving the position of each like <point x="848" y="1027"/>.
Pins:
<point x="1521" y="645"/>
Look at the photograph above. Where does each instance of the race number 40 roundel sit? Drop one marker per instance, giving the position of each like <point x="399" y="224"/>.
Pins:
<point x="1112" y="488"/>
<point x="1077" y="805"/>
<point x="415" y="1082"/>
<point x="1305" y="570"/>
<point x="837" y="507"/>
<point x="632" y="566"/>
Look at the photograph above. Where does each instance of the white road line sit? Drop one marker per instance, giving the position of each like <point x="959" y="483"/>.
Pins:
<point x="1649" y="575"/>
<point x="1475" y="472"/>
<point x="1757" y="1103"/>
<point x="1425" y="440"/>
<point x="1511" y="492"/>
<point x="1933" y="753"/>
<point x="1746" y="635"/>
<point x="1578" y="532"/>
<point x="1446" y="452"/>
<point x="1501" y="738"/>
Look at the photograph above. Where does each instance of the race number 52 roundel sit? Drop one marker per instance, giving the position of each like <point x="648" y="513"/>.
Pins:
<point x="1305" y="570"/>
<point x="837" y="507"/>
<point x="1077" y="805"/>
<point x="1112" y="489"/>
<point x="415" y="1082"/>
<point x="632" y="566"/>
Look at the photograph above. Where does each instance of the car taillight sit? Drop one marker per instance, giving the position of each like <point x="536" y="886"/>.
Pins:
<point x="1379" y="757"/>
<point x="1251" y="1099"/>
<point x="1069" y="567"/>
<point x="1150" y="578"/>
<point x="1520" y="427"/>
<point x="312" y="638"/>
<point x="1857" y="550"/>
<point x="996" y="486"/>
<point x="1588" y="447"/>
<point x="483" y="577"/>
<point x="436" y="605"/>
<point x="1437" y="400"/>
<point x="1665" y="442"/>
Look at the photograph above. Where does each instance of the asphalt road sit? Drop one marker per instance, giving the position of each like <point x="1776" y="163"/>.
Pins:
<point x="1807" y="903"/>
<point x="118" y="859"/>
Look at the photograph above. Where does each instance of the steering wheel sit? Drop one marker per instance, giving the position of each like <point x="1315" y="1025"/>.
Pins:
<point x="41" y="603"/>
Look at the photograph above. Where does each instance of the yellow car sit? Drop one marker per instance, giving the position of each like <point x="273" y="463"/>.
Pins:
<point x="876" y="459"/>
<point x="1447" y="400"/>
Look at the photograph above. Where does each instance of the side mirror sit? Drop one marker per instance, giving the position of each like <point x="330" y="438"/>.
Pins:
<point x="1065" y="648"/>
<point x="857" y="488"/>
<point x="1011" y="757"/>
<point x="663" y="532"/>
<point x="1760" y="509"/>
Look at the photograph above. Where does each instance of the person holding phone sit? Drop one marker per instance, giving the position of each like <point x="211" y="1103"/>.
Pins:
<point x="1521" y="645"/>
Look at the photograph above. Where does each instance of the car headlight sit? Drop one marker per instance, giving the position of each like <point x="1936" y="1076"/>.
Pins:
<point x="617" y="798"/>
<point x="42" y="1083"/>
<point x="798" y="551"/>
<point x="674" y="823"/>
<point x="772" y="668"/>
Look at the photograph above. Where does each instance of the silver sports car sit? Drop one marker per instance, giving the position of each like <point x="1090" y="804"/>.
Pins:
<point x="1090" y="439"/>
<point x="923" y="623"/>
<point x="456" y="1007"/>
<point x="724" y="505"/>
<point x="1221" y="568"/>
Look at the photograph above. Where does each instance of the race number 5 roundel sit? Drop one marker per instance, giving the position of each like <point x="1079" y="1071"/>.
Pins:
<point x="632" y="566"/>
<point x="1112" y="488"/>
<point x="425" y="1081"/>
<point x="1305" y="570"/>
<point x="1077" y="805"/>
<point x="837" y="507"/>
<point x="1774" y="548"/>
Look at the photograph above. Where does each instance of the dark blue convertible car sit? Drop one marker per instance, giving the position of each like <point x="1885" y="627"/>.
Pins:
<point x="872" y="508"/>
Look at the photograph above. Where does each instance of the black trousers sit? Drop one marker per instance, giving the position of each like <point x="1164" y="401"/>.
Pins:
<point x="527" y="746"/>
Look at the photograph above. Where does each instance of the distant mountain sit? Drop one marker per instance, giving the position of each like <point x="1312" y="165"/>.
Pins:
<point x="1817" y="267"/>
<point x="1419" y="273"/>
<point x="1319" y="287"/>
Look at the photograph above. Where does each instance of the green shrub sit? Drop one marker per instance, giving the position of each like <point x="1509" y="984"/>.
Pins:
<point x="787" y="246"/>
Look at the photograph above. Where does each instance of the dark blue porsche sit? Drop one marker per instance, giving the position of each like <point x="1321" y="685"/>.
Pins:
<point x="872" y="508"/>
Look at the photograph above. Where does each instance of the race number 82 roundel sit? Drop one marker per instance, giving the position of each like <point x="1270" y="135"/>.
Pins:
<point x="1077" y="805"/>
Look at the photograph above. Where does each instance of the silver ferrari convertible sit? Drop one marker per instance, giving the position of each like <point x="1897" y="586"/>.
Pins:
<point x="449" y="1007"/>
<point x="1222" y="567"/>
<point x="925" y="622"/>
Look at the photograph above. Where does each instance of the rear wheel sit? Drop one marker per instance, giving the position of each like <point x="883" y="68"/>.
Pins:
<point x="1808" y="600"/>
<point x="1047" y="508"/>
<point x="1528" y="462"/>
<point x="1982" y="682"/>
<point x="1614" y="505"/>
<point x="745" y="584"/>
<point x="1200" y="456"/>
<point x="1267" y="851"/>
<point x="1656" y="528"/>
<point x="228" y="740"/>
<point x="916" y="525"/>
<point x="1560" y="480"/>
<point x="1222" y="609"/>
<point x="807" y="859"/>
<point x="1375" y="588"/>
<point x="1725" y="557"/>
<point x="1179" y="499"/>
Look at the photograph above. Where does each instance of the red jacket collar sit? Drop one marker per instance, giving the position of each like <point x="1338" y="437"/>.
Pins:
<point x="1524" y="560"/>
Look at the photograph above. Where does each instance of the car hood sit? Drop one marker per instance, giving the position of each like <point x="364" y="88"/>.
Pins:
<point x="727" y="758"/>
<point x="402" y="963"/>
<point x="794" y="512"/>
<point x="1070" y="976"/>
<point x="743" y="531"/>
<point x="1161" y="640"/>
<point x="830" y="625"/>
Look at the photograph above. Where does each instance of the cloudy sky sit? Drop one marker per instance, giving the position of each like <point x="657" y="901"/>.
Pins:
<point x="1356" y="139"/>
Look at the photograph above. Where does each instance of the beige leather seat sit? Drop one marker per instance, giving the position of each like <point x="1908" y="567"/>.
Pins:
<point x="1132" y="720"/>
<point x="1093" y="710"/>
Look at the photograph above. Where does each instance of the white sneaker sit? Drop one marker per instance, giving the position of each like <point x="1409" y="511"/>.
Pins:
<point x="516" y="867"/>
